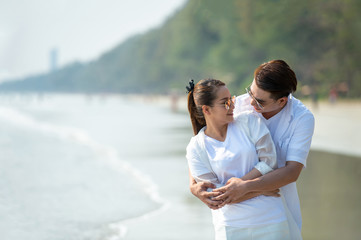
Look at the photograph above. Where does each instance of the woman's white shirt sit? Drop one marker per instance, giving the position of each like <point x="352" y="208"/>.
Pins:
<point x="235" y="157"/>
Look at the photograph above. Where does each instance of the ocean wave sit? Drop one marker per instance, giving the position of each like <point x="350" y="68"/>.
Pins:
<point x="118" y="229"/>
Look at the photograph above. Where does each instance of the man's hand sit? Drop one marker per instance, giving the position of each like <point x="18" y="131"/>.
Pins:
<point x="233" y="192"/>
<point x="273" y="193"/>
<point x="200" y="191"/>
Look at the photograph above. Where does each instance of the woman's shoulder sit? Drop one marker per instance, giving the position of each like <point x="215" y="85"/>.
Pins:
<point x="246" y="117"/>
<point x="242" y="104"/>
<point x="194" y="141"/>
<point x="248" y="120"/>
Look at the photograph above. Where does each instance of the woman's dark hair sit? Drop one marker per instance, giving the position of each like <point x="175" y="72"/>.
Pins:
<point x="204" y="93"/>
<point x="276" y="77"/>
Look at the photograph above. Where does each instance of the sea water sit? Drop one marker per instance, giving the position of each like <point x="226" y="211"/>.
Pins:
<point x="65" y="165"/>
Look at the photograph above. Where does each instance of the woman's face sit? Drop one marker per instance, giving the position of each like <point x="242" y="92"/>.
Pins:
<point x="219" y="111"/>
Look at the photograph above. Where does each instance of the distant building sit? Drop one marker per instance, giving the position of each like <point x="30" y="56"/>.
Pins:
<point x="53" y="59"/>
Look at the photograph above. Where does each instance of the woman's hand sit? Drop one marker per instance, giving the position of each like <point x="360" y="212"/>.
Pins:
<point x="200" y="191"/>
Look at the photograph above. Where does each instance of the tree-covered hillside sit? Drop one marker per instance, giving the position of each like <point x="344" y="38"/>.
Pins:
<point x="226" y="40"/>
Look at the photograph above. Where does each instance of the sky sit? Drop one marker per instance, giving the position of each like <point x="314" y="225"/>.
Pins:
<point x="78" y="30"/>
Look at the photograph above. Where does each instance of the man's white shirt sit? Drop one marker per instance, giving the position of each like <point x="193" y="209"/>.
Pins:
<point x="292" y="130"/>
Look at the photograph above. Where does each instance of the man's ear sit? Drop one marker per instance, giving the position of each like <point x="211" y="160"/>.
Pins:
<point x="282" y="101"/>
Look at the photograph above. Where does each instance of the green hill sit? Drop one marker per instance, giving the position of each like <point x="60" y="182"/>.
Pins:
<point x="226" y="40"/>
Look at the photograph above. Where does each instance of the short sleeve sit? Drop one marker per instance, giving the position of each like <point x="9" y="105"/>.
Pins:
<point x="198" y="169"/>
<point x="300" y="142"/>
<point x="265" y="147"/>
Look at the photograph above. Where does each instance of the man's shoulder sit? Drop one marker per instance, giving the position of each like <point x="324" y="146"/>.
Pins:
<point x="300" y="111"/>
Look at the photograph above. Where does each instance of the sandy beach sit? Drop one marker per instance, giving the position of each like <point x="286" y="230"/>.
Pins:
<point x="338" y="127"/>
<point x="337" y="130"/>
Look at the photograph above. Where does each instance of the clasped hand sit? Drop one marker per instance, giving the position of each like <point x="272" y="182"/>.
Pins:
<point x="234" y="191"/>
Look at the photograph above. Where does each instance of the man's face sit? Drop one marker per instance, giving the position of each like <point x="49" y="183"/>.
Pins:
<point x="262" y="102"/>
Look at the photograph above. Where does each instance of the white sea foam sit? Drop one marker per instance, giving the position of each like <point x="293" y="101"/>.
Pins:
<point x="80" y="136"/>
<point x="120" y="228"/>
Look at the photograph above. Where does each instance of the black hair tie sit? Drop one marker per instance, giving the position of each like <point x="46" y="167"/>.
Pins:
<point x="191" y="86"/>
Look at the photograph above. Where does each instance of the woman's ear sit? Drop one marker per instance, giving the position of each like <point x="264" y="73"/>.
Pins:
<point x="205" y="109"/>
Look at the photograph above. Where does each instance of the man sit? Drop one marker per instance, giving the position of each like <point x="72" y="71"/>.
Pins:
<point x="291" y="125"/>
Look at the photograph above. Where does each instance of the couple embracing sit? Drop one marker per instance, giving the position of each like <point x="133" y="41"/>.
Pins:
<point x="248" y="152"/>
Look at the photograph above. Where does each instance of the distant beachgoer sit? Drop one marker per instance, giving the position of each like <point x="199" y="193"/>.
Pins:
<point x="224" y="148"/>
<point x="333" y="95"/>
<point x="291" y="125"/>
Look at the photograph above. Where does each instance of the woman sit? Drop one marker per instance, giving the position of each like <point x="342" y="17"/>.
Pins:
<point x="224" y="148"/>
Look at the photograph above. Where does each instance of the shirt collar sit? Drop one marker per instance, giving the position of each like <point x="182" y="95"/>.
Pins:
<point x="286" y="119"/>
<point x="289" y="106"/>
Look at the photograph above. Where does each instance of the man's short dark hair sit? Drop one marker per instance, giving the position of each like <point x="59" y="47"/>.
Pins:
<point x="276" y="77"/>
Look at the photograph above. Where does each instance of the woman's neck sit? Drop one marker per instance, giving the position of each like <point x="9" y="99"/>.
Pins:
<point x="217" y="132"/>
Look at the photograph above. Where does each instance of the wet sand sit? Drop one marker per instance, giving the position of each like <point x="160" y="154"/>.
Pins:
<point x="337" y="127"/>
<point x="329" y="187"/>
<point x="330" y="197"/>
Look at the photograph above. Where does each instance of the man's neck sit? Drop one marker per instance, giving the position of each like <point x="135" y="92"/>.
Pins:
<point x="268" y="115"/>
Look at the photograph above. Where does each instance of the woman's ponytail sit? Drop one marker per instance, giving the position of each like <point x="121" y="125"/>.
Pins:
<point x="203" y="93"/>
<point x="196" y="114"/>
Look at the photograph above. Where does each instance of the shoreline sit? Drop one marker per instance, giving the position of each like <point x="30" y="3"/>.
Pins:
<point x="337" y="125"/>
